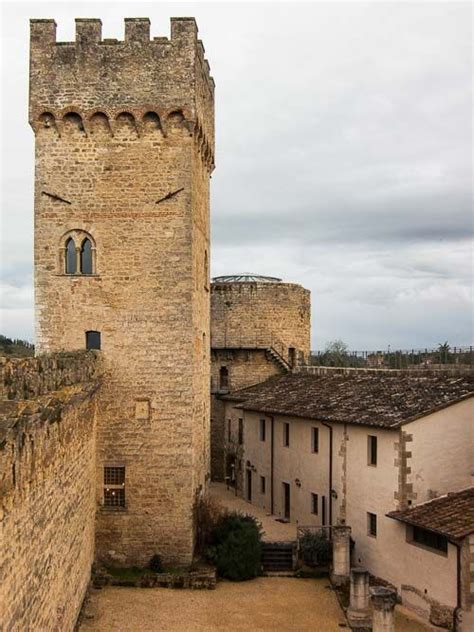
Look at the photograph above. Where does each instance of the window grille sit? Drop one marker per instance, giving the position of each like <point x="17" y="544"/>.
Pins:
<point x="114" y="486"/>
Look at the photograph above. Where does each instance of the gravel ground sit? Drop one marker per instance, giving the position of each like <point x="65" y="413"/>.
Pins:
<point x="273" y="531"/>
<point x="260" y="605"/>
<point x="266" y="604"/>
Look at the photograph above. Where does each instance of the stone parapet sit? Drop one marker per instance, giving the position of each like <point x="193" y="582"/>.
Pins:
<point x="26" y="378"/>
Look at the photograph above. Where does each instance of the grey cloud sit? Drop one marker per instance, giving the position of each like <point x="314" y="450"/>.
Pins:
<point x="344" y="157"/>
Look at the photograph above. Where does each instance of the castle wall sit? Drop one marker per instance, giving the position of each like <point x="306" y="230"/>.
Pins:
<point x="131" y="169"/>
<point x="47" y="505"/>
<point x="24" y="378"/>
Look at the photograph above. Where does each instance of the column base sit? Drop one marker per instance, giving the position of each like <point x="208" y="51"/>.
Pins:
<point x="359" y="618"/>
<point x="339" y="580"/>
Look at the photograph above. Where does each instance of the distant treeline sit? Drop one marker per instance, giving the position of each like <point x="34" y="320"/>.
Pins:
<point x="16" y="347"/>
<point x="337" y="353"/>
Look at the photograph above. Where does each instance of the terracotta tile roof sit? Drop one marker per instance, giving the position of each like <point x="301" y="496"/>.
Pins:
<point x="451" y="515"/>
<point x="374" y="399"/>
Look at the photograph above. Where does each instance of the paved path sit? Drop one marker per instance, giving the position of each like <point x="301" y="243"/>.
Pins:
<point x="273" y="530"/>
<point x="260" y="605"/>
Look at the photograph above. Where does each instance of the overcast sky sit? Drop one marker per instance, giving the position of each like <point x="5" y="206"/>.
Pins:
<point x="344" y="158"/>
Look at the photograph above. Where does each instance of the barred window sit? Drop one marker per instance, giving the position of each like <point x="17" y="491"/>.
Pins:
<point x="114" y="486"/>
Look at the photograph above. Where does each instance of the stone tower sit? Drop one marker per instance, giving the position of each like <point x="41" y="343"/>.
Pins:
<point x="124" y="150"/>
<point x="260" y="327"/>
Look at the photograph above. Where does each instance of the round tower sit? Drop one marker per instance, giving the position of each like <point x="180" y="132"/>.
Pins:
<point x="260" y="327"/>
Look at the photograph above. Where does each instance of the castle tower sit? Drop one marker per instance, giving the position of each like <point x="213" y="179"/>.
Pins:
<point x="124" y="148"/>
<point x="260" y="327"/>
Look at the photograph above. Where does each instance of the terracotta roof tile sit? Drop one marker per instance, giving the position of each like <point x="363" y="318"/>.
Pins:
<point x="374" y="399"/>
<point x="451" y="515"/>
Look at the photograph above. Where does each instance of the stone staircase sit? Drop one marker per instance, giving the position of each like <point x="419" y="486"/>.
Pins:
<point x="277" y="557"/>
<point x="280" y="360"/>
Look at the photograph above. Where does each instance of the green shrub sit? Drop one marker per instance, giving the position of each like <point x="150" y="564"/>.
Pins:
<point x="315" y="548"/>
<point x="236" y="547"/>
<point x="155" y="564"/>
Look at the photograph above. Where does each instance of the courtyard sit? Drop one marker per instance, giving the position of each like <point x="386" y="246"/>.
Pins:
<point x="273" y="530"/>
<point x="265" y="604"/>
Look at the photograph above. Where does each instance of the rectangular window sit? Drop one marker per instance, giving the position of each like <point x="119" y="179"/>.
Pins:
<point x="314" y="439"/>
<point x="430" y="539"/>
<point x="263" y="429"/>
<point x="372" y="450"/>
<point x="92" y="339"/>
<point x="114" y="487"/>
<point x="263" y="483"/>
<point x="314" y="504"/>
<point x="286" y="435"/>
<point x="241" y="431"/>
<point x="229" y="430"/>
<point x="372" y="524"/>
<point x="323" y="510"/>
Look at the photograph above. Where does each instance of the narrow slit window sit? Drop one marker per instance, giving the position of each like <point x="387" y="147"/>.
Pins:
<point x="372" y="450"/>
<point x="372" y="524"/>
<point x="314" y="504"/>
<point x="114" y="486"/>
<point x="71" y="265"/>
<point x="86" y="257"/>
<point x="262" y="430"/>
<point x="241" y="431"/>
<point x="223" y="378"/>
<point x="263" y="484"/>
<point x="314" y="440"/>
<point x="286" y="435"/>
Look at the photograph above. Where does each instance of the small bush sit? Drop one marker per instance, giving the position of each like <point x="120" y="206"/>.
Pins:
<point x="155" y="564"/>
<point x="235" y="547"/>
<point x="316" y="549"/>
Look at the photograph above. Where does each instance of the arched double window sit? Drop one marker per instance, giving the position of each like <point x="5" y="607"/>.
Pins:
<point x="78" y="253"/>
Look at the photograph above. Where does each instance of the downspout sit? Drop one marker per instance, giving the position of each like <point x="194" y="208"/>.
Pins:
<point x="458" y="608"/>
<point x="330" y="472"/>
<point x="272" y="423"/>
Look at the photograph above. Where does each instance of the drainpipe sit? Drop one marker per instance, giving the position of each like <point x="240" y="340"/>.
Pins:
<point x="272" y="434"/>
<point x="330" y="473"/>
<point x="459" y="587"/>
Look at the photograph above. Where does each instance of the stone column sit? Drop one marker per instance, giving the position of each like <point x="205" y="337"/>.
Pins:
<point x="358" y="613"/>
<point x="341" y="554"/>
<point x="383" y="606"/>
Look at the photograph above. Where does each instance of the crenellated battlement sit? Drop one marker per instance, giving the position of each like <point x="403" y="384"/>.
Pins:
<point x="137" y="75"/>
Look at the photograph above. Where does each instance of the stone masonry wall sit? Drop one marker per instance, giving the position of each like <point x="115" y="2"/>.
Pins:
<point x="249" y="315"/>
<point x="47" y="504"/>
<point x="24" y="378"/>
<point x="124" y="151"/>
